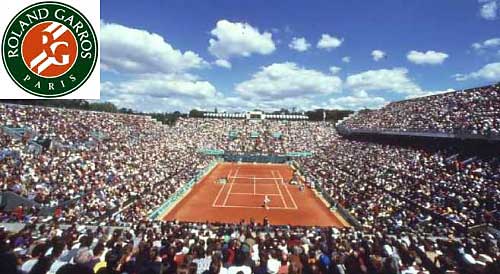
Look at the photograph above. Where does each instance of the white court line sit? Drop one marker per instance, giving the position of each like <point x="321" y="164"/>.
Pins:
<point x="289" y="194"/>
<point x="279" y="190"/>
<point x="230" y="187"/>
<point x="252" y="177"/>
<point x="250" y="194"/>
<point x="220" y="190"/>
<point x="254" y="186"/>
<point x="260" y="207"/>
<point x="247" y="184"/>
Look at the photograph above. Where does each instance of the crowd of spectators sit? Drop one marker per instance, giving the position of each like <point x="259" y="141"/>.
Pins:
<point x="247" y="247"/>
<point x="96" y="164"/>
<point x="414" y="205"/>
<point x="473" y="111"/>
<point x="395" y="187"/>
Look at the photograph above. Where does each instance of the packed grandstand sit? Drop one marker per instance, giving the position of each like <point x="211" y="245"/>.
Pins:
<point x="86" y="185"/>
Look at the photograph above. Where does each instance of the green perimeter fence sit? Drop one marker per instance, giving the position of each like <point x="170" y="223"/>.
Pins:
<point x="181" y="192"/>
<point x="333" y="204"/>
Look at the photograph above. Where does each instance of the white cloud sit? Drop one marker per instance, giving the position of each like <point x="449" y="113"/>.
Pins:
<point x="162" y="104"/>
<point x="161" y="86"/>
<point x="329" y="42"/>
<point x="489" y="9"/>
<point x="390" y="80"/>
<point x="346" y="59"/>
<point x="335" y="70"/>
<point x="223" y="63"/>
<point x="130" y="50"/>
<point x="429" y="57"/>
<point x="219" y="100"/>
<point x="360" y="100"/>
<point x="490" y="43"/>
<point x="378" y="55"/>
<point x="238" y="103"/>
<point x="460" y="77"/>
<point x="490" y="72"/>
<point x="299" y="44"/>
<point x="283" y="80"/>
<point x="239" y="39"/>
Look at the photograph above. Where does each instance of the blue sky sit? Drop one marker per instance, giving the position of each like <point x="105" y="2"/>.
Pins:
<point x="238" y="55"/>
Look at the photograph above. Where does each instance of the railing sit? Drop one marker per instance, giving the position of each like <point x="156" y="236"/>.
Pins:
<point x="17" y="226"/>
<point x="257" y="158"/>
<point x="333" y="204"/>
<point x="456" y="134"/>
<point x="264" y="158"/>
<point x="16" y="133"/>
<point x="211" y="152"/>
<point x="299" y="154"/>
<point x="6" y="152"/>
<point x="34" y="147"/>
<point x="98" y="135"/>
<point x="10" y="200"/>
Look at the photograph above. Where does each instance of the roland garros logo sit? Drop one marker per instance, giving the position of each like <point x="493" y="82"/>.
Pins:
<point x="49" y="49"/>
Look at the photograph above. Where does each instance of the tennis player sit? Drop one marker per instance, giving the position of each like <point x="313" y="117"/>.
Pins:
<point x="267" y="201"/>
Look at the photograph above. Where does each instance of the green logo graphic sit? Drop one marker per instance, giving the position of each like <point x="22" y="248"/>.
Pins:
<point x="49" y="49"/>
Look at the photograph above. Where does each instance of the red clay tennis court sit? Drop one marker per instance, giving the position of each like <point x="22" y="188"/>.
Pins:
<point x="242" y="197"/>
